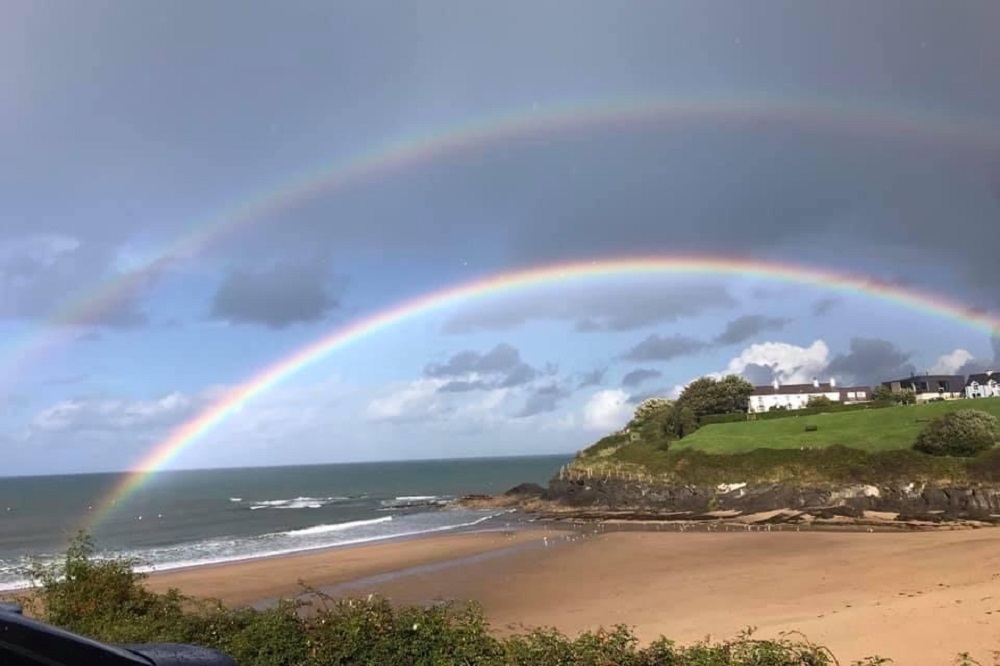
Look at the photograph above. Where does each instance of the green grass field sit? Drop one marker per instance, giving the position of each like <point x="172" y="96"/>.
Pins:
<point x="870" y="430"/>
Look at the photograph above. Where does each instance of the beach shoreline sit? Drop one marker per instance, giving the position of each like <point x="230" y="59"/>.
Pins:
<point x="917" y="597"/>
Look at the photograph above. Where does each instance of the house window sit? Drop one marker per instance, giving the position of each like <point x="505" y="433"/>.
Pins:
<point x="861" y="394"/>
<point x="851" y="394"/>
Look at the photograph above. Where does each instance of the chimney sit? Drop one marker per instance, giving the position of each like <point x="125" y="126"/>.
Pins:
<point x="833" y="382"/>
<point x="776" y="384"/>
<point x="815" y="383"/>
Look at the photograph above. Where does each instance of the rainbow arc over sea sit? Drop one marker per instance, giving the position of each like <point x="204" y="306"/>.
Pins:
<point x="886" y="120"/>
<point x="258" y="383"/>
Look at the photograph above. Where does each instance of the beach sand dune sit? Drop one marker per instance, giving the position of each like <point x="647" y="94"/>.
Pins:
<point x="919" y="598"/>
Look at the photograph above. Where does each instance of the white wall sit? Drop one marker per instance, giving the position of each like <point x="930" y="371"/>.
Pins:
<point x="763" y="403"/>
<point x="991" y="390"/>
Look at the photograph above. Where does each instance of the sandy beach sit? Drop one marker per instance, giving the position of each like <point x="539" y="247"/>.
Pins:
<point x="919" y="598"/>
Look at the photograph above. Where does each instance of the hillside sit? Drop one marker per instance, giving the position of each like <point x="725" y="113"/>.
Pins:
<point x="866" y="446"/>
<point x="869" y="430"/>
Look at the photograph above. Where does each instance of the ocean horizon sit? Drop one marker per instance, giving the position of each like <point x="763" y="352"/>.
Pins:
<point x="192" y="517"/>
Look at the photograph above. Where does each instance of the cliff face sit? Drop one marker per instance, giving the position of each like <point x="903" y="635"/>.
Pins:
<point x="921" y="501"/>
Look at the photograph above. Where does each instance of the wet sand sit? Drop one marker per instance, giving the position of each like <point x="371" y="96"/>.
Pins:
<point x="919" y="598"/>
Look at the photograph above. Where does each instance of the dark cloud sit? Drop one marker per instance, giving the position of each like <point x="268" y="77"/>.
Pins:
<point x="501" y="367"/>
<point x="280" y="295"/>
<point x="636" y="398"/>
<point x="49" y="277"/>
<point x="593" y="378"/>
<point x="977" y="365"/>
<point x="748" y="327"/>
<point x="609" y="307"/>
<point x="640" y="375"/>
<point x="656" y="348"/>
<point x="871" y="361"/>
<point x="824" y="306"/>
<point x="759" y="375"/>
<point x="704" y="182"/>
<point x="544" y="399"/>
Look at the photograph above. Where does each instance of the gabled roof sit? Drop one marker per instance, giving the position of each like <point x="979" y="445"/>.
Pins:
<point x="984" y="377"/>
<point x="795" y="389"/>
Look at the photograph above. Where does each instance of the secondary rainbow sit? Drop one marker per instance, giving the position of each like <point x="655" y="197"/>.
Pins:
<point x="457" y="139"/>
<point x="190" y="432"/>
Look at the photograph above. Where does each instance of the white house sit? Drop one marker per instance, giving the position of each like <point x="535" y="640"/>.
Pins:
<point x="930" y="387"/>
<point x="983" y="385"/>
<point x="797" y="396"/>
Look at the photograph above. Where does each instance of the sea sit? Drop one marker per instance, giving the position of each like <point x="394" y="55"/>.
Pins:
<point x="192" y="517"/>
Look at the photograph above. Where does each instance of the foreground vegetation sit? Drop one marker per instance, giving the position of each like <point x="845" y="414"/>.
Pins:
<point x="107" y="600"/>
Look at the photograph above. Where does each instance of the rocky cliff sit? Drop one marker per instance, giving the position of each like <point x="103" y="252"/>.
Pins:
<point x="911" y="501"/>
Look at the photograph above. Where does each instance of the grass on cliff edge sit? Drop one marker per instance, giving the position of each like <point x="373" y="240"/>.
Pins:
<point x="818" y="466"/>
<point x="868" y="430"/>
<point x="108" y="600"/>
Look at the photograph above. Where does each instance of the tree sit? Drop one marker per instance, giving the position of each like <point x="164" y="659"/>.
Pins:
<point x="965" y="433"/>
<point x="681" y="421"/>
<point x="819" y="401"/>
<point x="883" y="393"/>
<point x="650" y="409"/>
<point x="708" y="395"/>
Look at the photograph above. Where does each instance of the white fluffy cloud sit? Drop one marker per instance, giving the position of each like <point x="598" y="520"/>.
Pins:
<point x="115" y="415"/>
<point x="949" y="364"/>
<point x="789" y="363"/>
<point x="607" y="410"/>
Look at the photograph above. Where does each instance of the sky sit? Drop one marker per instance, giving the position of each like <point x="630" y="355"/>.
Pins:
<point x="191" y="192"/>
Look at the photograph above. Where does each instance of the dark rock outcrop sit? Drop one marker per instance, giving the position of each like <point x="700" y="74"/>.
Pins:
<point x="526" y="490"/>
<point x="912" y="501"/>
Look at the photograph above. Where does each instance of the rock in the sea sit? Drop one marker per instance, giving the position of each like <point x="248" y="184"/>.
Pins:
<point x="526" y="490"/>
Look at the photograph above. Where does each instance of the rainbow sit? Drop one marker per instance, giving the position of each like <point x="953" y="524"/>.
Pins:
<point x="188" y="433"/>
<point x="455" y="140"/>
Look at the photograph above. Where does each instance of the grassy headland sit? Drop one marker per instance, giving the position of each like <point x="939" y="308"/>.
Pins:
<point x="865" y="446"/>
<point x="869" y="430"/>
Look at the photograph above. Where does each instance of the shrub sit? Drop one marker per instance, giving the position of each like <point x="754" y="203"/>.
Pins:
<point x="819" y="402"/>
<point x="964" y="433"/>
<point x="734" y="417"/>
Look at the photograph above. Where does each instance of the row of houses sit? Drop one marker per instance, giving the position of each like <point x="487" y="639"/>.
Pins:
<point x="926" y="387"/>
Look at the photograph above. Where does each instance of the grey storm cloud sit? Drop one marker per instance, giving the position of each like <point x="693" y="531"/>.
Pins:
<point x="593" y="378"/>
<point x="871" y="361"/>
<point x="276" y="296"/>
<point x="501" y="367"/>
<point x="665" y="348"/>
<point x="636" y="398"/>
<point x="748" y="327"/>
<point x="606" y="307"/>
<point x="136" y="153"/>
<point x="825" y="305"/>
<point x="41" y="275"/>
<point x="976" y="365"/>
<point x="759" y="375"/>
<point x="640" y="375"/>
<point x="544" y="399"/>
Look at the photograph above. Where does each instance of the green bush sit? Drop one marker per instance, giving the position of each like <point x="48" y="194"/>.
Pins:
<point x="835" y="407"/>
<point x="107" y="600"/>
<point x="735" y="417"/>
<point x="963" y="433"/>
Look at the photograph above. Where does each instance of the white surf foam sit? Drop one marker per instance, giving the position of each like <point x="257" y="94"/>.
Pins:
<point x="336" y="527"/>
<point x="318" y="537"/>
